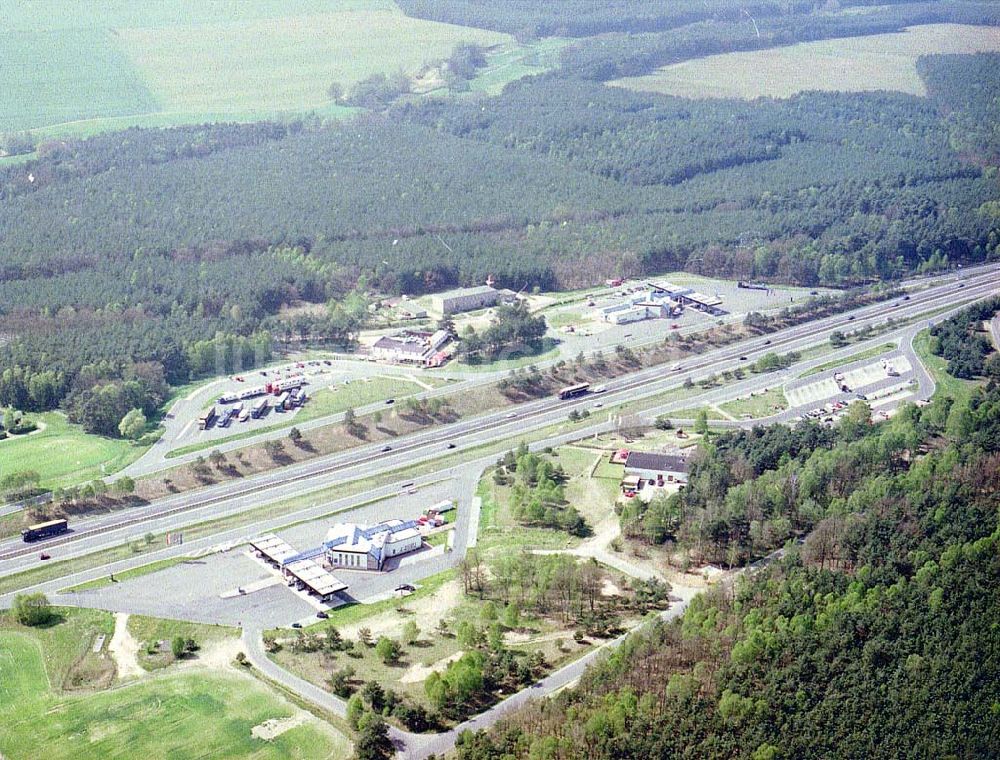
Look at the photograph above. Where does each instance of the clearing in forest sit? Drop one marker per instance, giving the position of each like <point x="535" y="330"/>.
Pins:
<point x="851" y="64"/>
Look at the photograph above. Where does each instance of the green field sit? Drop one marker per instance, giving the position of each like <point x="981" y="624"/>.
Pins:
<point x="870" y="353"/>
<point x="204" y="714"/>
<point x="855" y="64"/>
<point x="63" y="454"/>
<point x="947" y="385"/>
<point x="73" y="67"/>
<point x="760" y="405"/>
<point x="86" y="75"/>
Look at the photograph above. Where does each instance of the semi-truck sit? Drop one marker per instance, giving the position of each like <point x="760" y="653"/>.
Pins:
<point x="44" y="530"/>
<point x="278" y="387"/>
<point x="259" y="408"/>
<point x="574" y="390"/>
<point x="206" y="418"/>
<point x="281" y="403"/>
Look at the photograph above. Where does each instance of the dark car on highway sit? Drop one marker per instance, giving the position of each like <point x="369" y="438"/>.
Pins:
<point x="386" y="448"/>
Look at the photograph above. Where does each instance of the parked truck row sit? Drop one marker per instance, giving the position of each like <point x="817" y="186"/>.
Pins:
<point x="274" y="388"/>
<point x="222" y="416"/>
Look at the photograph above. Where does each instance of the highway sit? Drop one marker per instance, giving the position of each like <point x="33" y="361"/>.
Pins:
<point x="184" y="411"/>
<point x="297" y="480"/>
<point x="303" y="479"/>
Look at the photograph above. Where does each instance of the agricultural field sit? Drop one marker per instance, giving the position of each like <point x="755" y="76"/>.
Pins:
<point x="131" y="64"/>
<point x="853" y="64"/>
<point x="37" y="710"/>
<point x="63" y="454"/>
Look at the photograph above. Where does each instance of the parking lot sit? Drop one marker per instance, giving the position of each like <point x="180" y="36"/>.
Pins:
<point x="580" y="327"/>
<point x="881" y="381"/>
<point x="206" y="589"/>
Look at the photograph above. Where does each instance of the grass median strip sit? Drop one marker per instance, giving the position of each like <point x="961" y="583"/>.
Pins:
<point x="860" y="356"/>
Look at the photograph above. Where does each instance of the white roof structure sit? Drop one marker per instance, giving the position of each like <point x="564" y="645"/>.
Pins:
<point x="705" y="300"/>
<point x="349" y="537"/>
<point x="274" y="548"/>
<point x="315" y="577"/>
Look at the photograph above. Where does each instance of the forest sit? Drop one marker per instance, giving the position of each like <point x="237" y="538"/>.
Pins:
<point x="870" y="638"/>
<point x="584" y="18"/>
<point x="962" y="340"/>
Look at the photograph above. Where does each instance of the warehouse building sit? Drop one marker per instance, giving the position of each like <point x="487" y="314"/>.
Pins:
<point x="465" y="299"/>
<point x="656" y="469"/>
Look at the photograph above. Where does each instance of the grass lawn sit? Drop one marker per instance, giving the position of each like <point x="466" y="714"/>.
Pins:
<point x="692" y="413"/>
<point x="204" y="714"/>
<point x="871" y="352"/>
<point x="593" y="497"/>
<point x="67" y="642"/>
<point x="548" y="351"/>
<point x="498" y="531"/>
<point x="947" y="385"/>
<point x="150" y="630"/>
<point x="873" y="62"/>
<point x="763" y="404"/>
<point x="63" y="454"/>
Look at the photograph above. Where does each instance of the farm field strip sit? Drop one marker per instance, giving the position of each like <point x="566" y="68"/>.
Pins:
<point x="873" y="62"/>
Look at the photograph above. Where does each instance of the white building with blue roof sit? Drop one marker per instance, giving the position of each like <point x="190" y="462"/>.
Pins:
<point x="355" y="547"/>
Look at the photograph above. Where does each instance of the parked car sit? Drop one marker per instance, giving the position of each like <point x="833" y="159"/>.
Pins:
<point x="322" y="615"/>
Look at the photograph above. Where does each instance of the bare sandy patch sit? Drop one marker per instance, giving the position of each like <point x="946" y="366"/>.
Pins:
<point x="125" y="649"/>
<point x="218" y="655"/>
<point x="275" y="727"/>
<point x="428" y="610"/>
<point x="417" y="672"/>
<point x="610" y="588"/>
